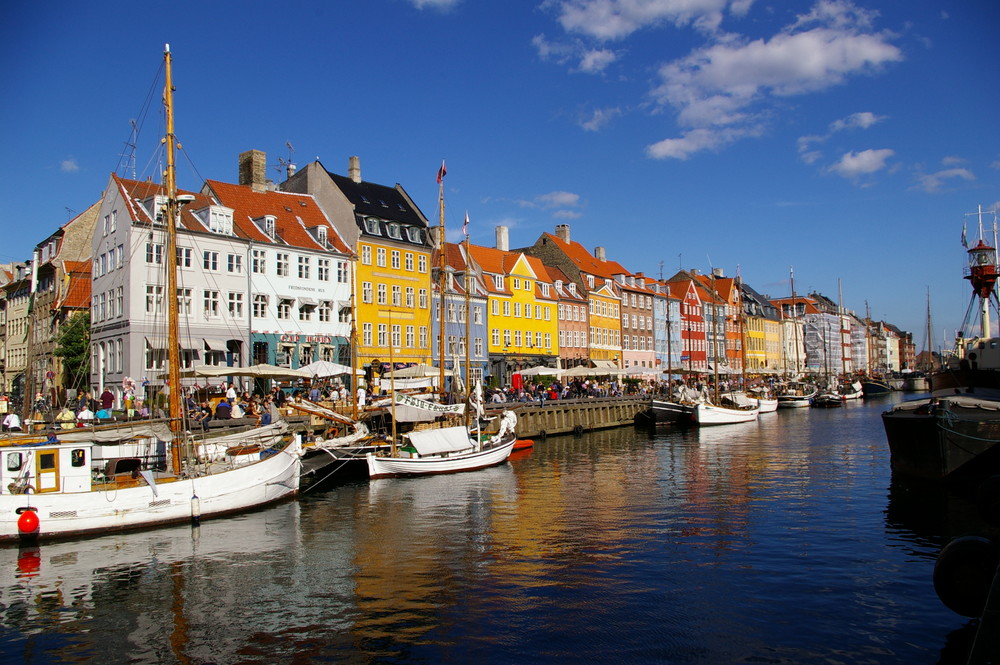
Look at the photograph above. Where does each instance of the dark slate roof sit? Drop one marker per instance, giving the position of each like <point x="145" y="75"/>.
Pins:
<point x="380" y="201"/>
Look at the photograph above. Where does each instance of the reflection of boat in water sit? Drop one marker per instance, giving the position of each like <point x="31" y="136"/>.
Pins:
<point x="73" y="577"/>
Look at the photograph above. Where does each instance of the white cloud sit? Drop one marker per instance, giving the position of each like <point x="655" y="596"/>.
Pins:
<point x="69" y="166"/>
<point x="933" y="182"/>
<point x="615" y="19"/>
<point x="953" y="160"/>
<point x="594" y="61"/>
<point x="567" y="214"/>
<point x="853" y="165"/>
<point x="862" y="120"/>
<point x="435" y="4"/>
<point x="559" y="200"/>
<point x="599" y="117"/>
<point x="723" y="84"/>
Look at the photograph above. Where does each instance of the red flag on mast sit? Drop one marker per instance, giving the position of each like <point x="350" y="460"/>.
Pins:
<point x="442" y="172"/>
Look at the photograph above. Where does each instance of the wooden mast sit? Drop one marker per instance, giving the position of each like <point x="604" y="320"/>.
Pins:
<point x="441" y="279"/>
<point x="795" y="318"/>
<point x="468" y="325"/>
<point x="170" y="223"/>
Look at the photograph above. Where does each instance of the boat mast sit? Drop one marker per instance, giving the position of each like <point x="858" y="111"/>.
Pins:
<point x="930" y="341"/>
<point x="354" y="343"/>
<point x="468" y="326"/>
<point x="170" y="222"/>
<point x="795" y="316"/>
<point x="441" y="279"/>
<point x="840" y="318"/>
<point x="28" y="398"/>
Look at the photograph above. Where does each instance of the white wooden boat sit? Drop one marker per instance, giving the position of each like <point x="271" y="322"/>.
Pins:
<point x="765" y="404"/>
<point x="796" y="395"/>
<point x="710" y="414"/>
<point x="446" y="450"/>
<point x="76" y="487"/>
<point x="851" y="391"/>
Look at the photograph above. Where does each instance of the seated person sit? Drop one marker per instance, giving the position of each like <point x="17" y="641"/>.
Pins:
<point x="223" y="411"/>
<point x="85" y="416"/>
<point x="67" y="418"/>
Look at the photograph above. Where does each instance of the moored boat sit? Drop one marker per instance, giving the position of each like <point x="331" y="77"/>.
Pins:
<point x="446" y="450"/>
<point x="796" y="394"/>
<point x="711" y="414"/>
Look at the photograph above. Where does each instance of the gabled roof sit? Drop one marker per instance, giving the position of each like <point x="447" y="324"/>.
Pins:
<point x="584" y="260"/>
<point x="297" y="216"/>
<point x="77" y="295"/>
<point x="135" y="191"/>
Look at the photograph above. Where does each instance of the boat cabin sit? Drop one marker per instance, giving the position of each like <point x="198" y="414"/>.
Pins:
<point x="41" y="468"/>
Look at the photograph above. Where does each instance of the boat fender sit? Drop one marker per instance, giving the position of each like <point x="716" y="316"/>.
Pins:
<point x="578" y="430"/>
<point x="988" y="500"/>
<point x="28" y="523"/>
<point x="542" y="434"/>
<point x="963" y="574"/>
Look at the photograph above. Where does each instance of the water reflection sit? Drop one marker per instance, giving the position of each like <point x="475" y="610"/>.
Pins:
<point x="783" y="540"/>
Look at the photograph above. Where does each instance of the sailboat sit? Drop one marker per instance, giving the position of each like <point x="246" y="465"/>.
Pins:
<point x="103" y="479"/>
<point x="443" y="449"/>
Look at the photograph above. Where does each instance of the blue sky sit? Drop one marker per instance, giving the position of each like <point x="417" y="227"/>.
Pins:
<point x="846" y="139"/>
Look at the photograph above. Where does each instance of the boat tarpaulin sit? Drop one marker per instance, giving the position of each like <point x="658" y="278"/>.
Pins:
<point x="411" y="409"/>
<point x="443" y="440"/>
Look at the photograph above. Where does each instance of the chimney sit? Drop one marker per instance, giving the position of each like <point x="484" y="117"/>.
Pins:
<point x="253" y="170"/>
<point x="717" y="272"/>
<point x="354" y="168"/>
<point x="599" y="254"/>
<point x="289" y="170"/>
<point x="503" y="239"/>
<point x="562" y="232"/>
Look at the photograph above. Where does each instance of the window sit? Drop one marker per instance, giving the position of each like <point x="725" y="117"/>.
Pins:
<point x="305" y="312"/>
<point x="342" y="272"/>
<point x="527" y="285"/>
<point x="211" y="301"/>
<point x="371" y="226"/>
<point x="258" y="262"/>
<point x="422" y="263"/>
<point x="380" y="257"/>
<point x="409" y="296"/>
<point x="120" y="301"/>
<point x="506" y="308"/>
<point x="184" y="301"/>
<point x="451" y="311"/>
<point x="284" y="308"/>
<point x="397" y="335"/>
<point x="397" y="295"/>
<point x="394" y="259"/>
<point x="506" y="338"/>
<point x="415" y="234"/>
<point x="495" y="335"/>
<point x="236" y="305"/>
<point x="394" y="231"/>
<point x="423" y="337"/>
<point x="517" y="309"/>
<point x="383" y="334"/>
<point x="422" y="298"/>
<point x="281" y="267"/>
<point x="516" y="283"/>
<point x="303" y="267"/>
<point x="366" y="334"/>
<point x="527" y="311"/>
<point x="410" y="338"/>
<point x="154" y="296"/>
<point x="210" y="260"/>
<point x="154" y="253"/>
<point x="259" y="306"/>
<point x="495" y="308"/>
<point x="234" y="263"/>
<point x="183" y="257"/>
<point x="408" y="261"/>
<point x="479" y="347"/>
<point x="121" y="256"/>
<point x="477" y="314"/>
<point x="325" y="311"/>
<point x="323" y="269"/>
<point x="366" y="292"/>
<point x="498" y="282"/>
<point x="111" y="260"/>
<point x="382" y="294"/>
<point x="366" y="255"/>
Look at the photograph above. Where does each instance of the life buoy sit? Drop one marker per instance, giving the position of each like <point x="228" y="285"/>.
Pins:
<point x="578" y="430"/>
<point x="963" y="574"/>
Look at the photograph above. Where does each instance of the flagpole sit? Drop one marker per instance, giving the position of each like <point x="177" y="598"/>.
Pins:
<point x="468" y="323"/>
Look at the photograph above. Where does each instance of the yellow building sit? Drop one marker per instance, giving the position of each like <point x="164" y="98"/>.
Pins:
<point x="392" y="276"/>
<point x="605" y="323"/>
<point x="521" y="311"/>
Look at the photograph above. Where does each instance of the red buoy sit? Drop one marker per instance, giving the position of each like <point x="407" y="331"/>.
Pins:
<point x="27" y="523"/>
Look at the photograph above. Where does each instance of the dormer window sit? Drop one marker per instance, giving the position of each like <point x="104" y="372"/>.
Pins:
<point x="321" y="234"/>
<point x="371" y="226"/>
<point x="415" y="234"/>
<point x="590" y="281"/>
<point x="394" y="231"/>
<point x="220" y="220"/>
<point x="268" y="225"/>
<point x="545" y="290"/>
<point x="498" y="282"/>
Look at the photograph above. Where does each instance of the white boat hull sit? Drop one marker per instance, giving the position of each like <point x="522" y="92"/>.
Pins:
<point x="63" y="512"/>
<point x="793" y="402"/>
<point x="383" y="467"/>
<point x="765" y="405"/>
<point x="709" y="414"/>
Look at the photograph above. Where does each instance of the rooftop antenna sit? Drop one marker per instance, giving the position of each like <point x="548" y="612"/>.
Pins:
<point x="129" y="152"/>
<point x="70" y="213"/>
<point x="286" y="164"/>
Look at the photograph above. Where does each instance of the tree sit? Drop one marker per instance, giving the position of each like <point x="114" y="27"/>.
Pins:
<point x="73" y="345"/>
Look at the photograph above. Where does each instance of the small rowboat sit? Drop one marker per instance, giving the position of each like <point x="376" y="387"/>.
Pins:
<point x="521" y="444"/>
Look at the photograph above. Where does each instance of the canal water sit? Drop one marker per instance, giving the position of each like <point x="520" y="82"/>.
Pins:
<point x="781" y="541"/>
